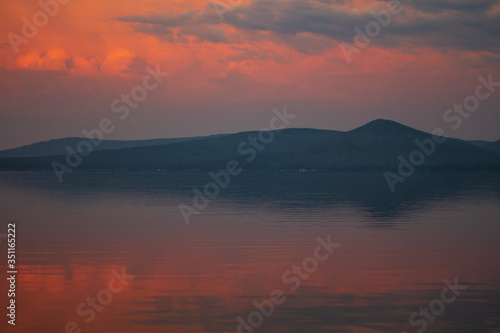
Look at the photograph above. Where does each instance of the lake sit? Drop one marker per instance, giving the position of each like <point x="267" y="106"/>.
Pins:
<point x="273" y="252"/>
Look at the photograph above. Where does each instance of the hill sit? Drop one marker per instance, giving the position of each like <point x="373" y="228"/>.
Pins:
<point x="494" y="146"/>
<point x="376" y="146"/>
<point x="58" y="146"/>
<point x="479" y="143"/>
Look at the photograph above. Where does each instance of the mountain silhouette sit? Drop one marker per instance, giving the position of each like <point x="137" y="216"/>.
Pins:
<point x="379" y="145"/>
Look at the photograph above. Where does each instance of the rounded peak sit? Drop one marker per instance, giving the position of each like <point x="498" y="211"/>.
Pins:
<point x="383" y="122"/>
<point x="384" y="125"/>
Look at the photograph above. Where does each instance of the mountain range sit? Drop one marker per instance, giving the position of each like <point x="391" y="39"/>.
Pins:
<point x="377" y="146"/>
<point x="57" y="146"/>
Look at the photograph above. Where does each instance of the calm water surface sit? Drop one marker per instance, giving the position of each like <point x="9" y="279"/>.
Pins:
<point x="396" y="250"/>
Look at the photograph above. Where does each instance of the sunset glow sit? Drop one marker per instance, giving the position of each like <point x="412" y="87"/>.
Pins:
<point x="261" y="55"/>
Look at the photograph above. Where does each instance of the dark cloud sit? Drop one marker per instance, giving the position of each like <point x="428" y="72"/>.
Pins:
<point x="438" y="6"/>
<point x="169" y="20"/>
<point x="296" y="16"/>
<point x="174" y="27"/>
<point x="311" y="26"/>
<point x="160" y="31"/>
<point x="447" y="27"/>
<point x="205" y="32"/>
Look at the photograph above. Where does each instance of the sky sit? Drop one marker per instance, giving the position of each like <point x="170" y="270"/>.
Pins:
<point x="230" y="62"/>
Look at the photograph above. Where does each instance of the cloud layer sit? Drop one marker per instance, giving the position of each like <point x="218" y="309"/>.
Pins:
<point x="441" y="24"/>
